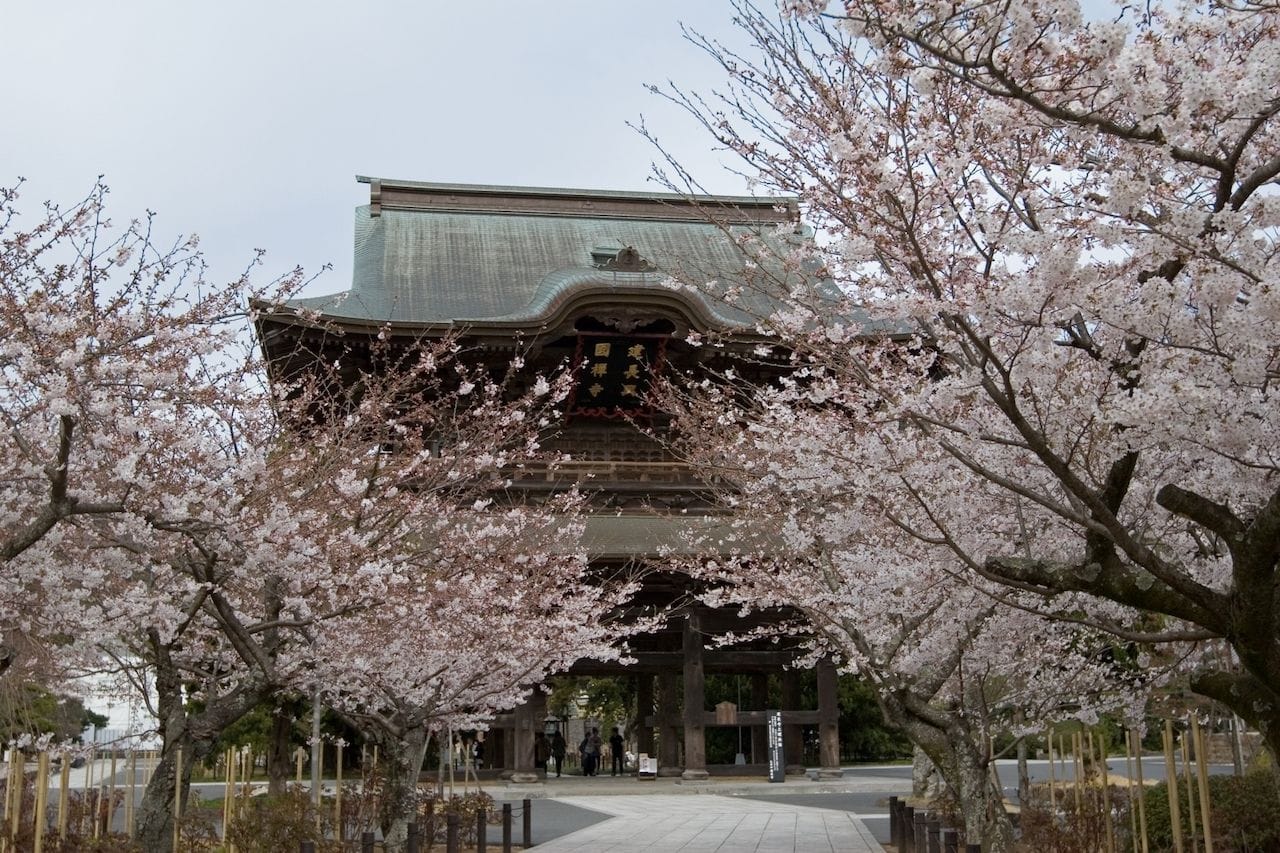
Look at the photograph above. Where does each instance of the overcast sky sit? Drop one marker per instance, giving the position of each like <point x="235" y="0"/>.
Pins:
<point x="246" y="122"/>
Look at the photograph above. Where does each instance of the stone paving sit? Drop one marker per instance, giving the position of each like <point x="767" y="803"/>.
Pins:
<point x="707" y="823"/>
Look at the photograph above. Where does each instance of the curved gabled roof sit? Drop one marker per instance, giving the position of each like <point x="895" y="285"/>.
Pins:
<point x="430" y="254"/>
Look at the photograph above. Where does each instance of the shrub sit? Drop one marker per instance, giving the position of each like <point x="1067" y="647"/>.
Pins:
<point x="1067" y="829"/>
<point x="279" y="823"/>
<point x="1245" y="816"/>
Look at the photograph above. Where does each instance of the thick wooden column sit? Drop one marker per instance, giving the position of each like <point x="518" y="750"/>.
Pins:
<point x="508" y="751"/>
<point x="493" y="748"/>
<point x="759" y="702"/>
<point x="668" y="737"/>
<point x="828" y="722"/>
<point x="695" y="745"/>
<point x="644" y="709"/>
<point x="792" y="733"/>
<point x="522" y="765"/>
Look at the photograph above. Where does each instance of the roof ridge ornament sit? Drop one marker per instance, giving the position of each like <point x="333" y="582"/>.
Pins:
<point x="624" y="260"/>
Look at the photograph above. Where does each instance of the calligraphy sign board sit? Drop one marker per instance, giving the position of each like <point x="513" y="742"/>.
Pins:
<point x="615" y="373"/>
<point x="777" y="762"/>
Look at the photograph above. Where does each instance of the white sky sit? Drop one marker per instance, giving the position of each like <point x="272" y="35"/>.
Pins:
<point x="246" y="122"/>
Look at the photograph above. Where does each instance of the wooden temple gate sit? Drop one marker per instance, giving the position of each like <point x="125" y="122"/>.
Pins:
<point x="585" y="278"/>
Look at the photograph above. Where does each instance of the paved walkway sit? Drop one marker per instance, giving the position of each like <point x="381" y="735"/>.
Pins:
<point x="707" y="823"/>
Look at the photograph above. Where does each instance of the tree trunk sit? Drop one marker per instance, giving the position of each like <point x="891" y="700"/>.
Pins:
<point x="193" y="734"/>
<point x="924" y="775"/>
<point x="981" y="803"/>
<point x="960" y="756"/>
<point x="402" y="760"/>
<point x="1024" y="773"/>
<point x="279" y="754"/>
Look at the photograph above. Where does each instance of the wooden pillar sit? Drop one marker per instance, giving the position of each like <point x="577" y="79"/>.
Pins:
<point x="759" y="702"/>
<point x="792" y="733"/>
<point x="509" y="749"/>
<point x="538" y="723"/>
<point x="644" y="709"/>
<point x="522" y="758"/>
<point x="695" y="746"/>
<point x="828" y="722"/>
<point x="495" y="748"/>
<point x="668" y="758"/>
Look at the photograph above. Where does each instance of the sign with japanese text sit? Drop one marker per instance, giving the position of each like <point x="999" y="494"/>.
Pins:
<point x="615" y="372"/>
<point x="777" y="761"/>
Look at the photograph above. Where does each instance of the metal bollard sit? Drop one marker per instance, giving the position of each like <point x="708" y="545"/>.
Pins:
<point x="482" y="831"/>
<point x="506" y="828"/>
<point x="411" y="842"/>
<point x="918" y="832"/>
<point x="933" y="832"/>
<point x="366" y="842"/>
<point x="893" y="820"/>
<point x="908" y="829"/>
<point x="526" y="823"/>
<point x="451" y="821"/>
<point x="950" y="841"/>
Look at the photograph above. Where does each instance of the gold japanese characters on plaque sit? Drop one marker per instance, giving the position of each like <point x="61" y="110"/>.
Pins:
<point x="615" y="373"/>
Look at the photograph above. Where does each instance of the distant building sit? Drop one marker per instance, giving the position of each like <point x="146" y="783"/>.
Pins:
<point x="588" y="277"/>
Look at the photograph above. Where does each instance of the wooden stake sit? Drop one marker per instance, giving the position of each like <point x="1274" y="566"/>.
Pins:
<point x="8" y="800"/>
<point x="299" y="755"/>
<point x="1202" y="776"/>
<point x="131" y="774"/>
<point x="1104" y="793"/>
<point x="318" y="754"/>
<point x="1128" y="772"/>
<point x="1142" y="786"/>
<point x="1171" y="789"/>
<point x="177" y="796"/>
<point x="1191" y="794"/>
<point x="88" y="767"/>
<point x="63" y="794"/>
<point x="228" y="790"/>
<point x="42" y="799"/>
<point x="111" y="794"/>
<point x="15" y="786"/>
<point x="337" y="800"/>
<point x="1078" y="768"/>
<point x="1053" y="799"/>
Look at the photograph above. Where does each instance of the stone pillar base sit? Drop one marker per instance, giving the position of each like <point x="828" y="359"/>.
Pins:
<point x="695" y="775"/>
<point x="830" y="773"/>
<point x="525" y="778"/>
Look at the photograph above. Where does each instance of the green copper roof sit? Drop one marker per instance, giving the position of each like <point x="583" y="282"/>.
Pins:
<point x="428" y="254"/>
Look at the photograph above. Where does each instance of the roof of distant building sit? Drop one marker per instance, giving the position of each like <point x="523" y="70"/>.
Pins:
<point x="430" y="254"/>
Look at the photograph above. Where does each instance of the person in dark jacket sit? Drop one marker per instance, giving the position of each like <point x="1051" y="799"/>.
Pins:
<point x="618" y="750"/>
<point x="558" y="749"/>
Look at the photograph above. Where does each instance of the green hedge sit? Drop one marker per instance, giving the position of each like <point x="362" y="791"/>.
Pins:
<point x="1245" y="815"/>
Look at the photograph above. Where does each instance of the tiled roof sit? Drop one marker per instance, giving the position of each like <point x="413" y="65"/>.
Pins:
<point x="430" y="254"/>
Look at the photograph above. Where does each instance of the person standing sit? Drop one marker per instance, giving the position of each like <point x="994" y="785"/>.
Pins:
<point x="541" y="751"/>
<point x="558" y="749"/>
<point x="590" y="750"/>
<point x="618" y="750"/>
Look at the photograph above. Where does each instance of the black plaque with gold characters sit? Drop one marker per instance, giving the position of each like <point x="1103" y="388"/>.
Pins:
<point x="615" y="373"/>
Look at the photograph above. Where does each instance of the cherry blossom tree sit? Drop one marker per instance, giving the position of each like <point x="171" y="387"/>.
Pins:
<point x="945" y="654"/>
<point x="217" y="537"/>
<point x="507" y="605"/>
<point x="1068" y="226"/>
<point x="110" y="343"/>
